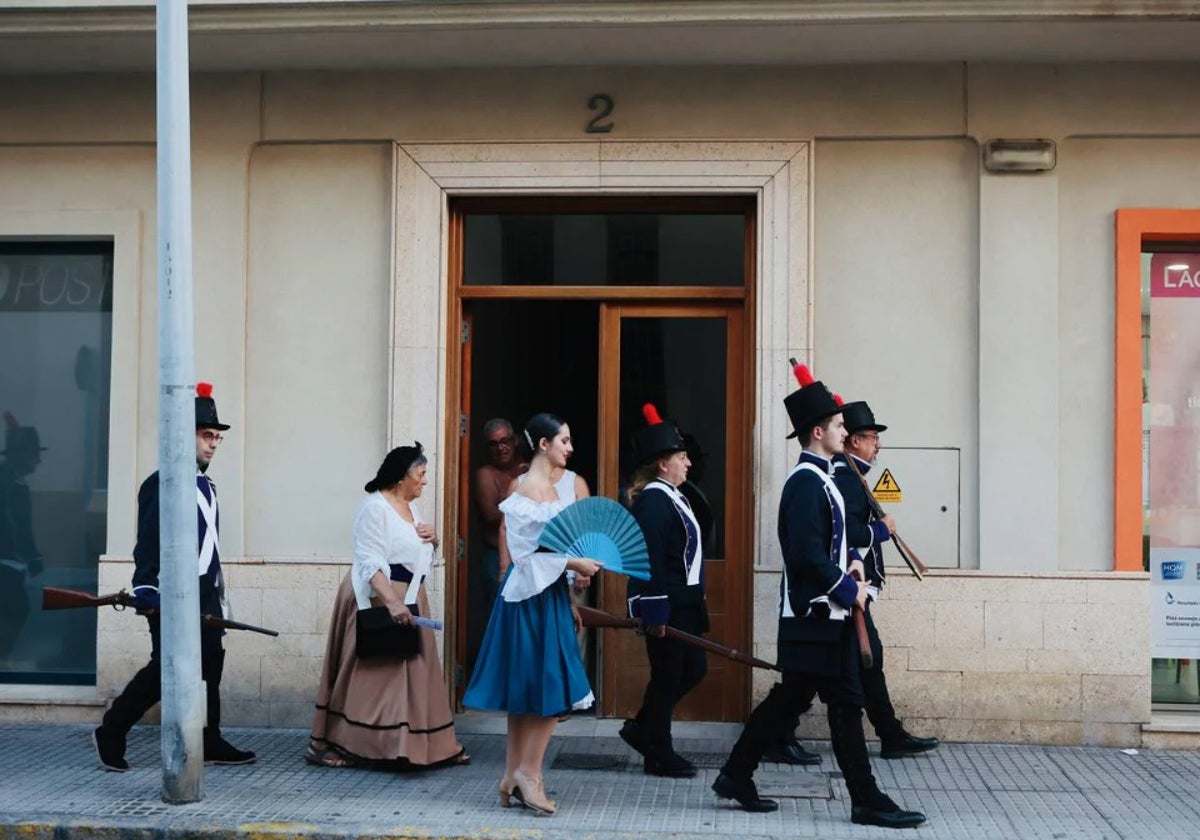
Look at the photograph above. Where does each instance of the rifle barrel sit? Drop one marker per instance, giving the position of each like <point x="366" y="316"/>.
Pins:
<point x="57" y="598"/>
<point x="593" y="617"/>
<point x="230" y="624"/>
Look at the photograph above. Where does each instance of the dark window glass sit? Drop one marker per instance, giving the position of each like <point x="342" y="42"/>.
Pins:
<point x="604" y="249"/>
<point x="56" y="343"/>
<point x="680" y="366"/>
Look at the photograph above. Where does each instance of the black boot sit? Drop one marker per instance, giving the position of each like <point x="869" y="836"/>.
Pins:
<point x="219" y="751"/>
<point x="631" y="733"/>
<point x="788" y="751"/>
<point x="906" y="745"/>
<point x="665" y="762"/>
<point x="868" y="805"/>
<point x="878" y="809"/>
<point x="110" y="749"/>
<point x="745" y="793"/>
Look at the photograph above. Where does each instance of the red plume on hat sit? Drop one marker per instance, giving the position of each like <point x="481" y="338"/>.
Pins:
<point x="206" y="408"/>
<point x="657" y="437"/>
<point x="10" y="422"/>
<point x="803" y="375"/>
<point x="837" y="398"/>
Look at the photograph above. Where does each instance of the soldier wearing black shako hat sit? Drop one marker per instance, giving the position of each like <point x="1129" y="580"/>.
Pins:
<point x="145" y="689"/>
<point x="818" y="653"/>
<point x="866" y="534"/>
<point x="673" y="596"/>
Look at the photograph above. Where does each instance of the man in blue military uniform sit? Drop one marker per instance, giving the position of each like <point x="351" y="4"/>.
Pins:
<point x="818" y="653"/>
<point x="145" y="689"/>
<point x="866" y="534"/>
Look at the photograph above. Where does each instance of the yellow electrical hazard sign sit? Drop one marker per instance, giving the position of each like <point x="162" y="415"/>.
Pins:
<point x="886" y="488"/>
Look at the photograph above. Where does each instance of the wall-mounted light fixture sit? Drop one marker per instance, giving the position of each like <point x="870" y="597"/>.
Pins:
<point x="1019" y="155"/>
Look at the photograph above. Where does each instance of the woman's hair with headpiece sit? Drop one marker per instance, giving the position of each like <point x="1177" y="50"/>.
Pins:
<point x="396" y="466"/>
<point x="541" y="425"/>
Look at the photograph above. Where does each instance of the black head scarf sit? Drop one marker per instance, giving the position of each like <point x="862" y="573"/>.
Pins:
<point x="395" y="467"/>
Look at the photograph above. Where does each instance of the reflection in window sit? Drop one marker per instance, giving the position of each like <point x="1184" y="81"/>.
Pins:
<point x="609" y="249"/>
<point x="1171" y="468"/>
<point x="680" y="365"/>
<point x="56" y="342"/>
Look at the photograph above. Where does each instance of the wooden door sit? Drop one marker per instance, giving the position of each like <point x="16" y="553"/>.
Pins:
<point x="689" y="360"/>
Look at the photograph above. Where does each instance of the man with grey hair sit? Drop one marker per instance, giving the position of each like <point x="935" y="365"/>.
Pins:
<point x="492" y="481"/>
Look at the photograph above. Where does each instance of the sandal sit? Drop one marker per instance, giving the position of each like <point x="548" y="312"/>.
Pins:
<point x="328" y="757"/>
<point x="462" y="757"/>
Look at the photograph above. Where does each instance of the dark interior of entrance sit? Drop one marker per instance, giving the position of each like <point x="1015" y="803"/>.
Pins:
<point x="529" y="356"/>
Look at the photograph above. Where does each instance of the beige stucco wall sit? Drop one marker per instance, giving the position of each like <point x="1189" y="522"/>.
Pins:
<point x="996" y="290"/>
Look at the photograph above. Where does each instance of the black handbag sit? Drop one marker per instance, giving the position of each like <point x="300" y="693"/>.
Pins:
<point x="377" y="636"/>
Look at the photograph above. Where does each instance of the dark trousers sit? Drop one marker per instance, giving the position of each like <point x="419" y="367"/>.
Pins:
<point x="145" y="689"/>
<point x="785" y="702"/>
<point x="878" y="705"/>
<point x="675" y="669"/>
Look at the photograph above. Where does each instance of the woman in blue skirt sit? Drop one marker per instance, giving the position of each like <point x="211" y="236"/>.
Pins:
<point x="529" y="663"/>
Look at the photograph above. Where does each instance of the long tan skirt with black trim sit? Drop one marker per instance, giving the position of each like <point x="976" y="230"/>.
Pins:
<point x="382" y="710"/>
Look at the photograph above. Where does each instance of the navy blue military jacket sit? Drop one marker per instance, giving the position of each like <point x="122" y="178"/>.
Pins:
<point x="668" y="543"/>
<point x="146" y="551"/>
<point x="861" y="531"/>
<point x="810" y="533"/>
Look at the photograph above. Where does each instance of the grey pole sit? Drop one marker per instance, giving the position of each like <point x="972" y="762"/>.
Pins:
<point x="183" y="706"/>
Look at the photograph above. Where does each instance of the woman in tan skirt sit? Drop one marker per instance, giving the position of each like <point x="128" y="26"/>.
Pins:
<point x="389" y="712"/>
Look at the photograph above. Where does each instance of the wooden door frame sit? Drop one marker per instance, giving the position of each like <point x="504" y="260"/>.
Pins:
<point x="738" y="475"/>
<point x="673" y="298"/>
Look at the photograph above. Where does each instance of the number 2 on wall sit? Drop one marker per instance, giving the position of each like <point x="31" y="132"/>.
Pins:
<point x="603" y="105"/>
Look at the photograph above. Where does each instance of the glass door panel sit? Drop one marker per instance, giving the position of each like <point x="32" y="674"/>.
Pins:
<point x="687" y="361"/>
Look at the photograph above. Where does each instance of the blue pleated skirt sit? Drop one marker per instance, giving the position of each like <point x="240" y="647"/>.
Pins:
<point x="529" y="661"/>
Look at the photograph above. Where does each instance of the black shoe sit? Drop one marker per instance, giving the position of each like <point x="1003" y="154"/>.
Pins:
<point x="885" y="813"/>
<point x="221" y="751"/>
<point x="670" y="765"/>
<point x="790" y="752"/>
<point x="744" y="793"/>
<point x="110" y="749"/>
<point x="880" y="810"/>
<point x="906" y="746"/>
<point x="631" y="733"/>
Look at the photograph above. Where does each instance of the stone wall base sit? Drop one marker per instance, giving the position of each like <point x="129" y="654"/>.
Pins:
<point x="1056" y="659"/>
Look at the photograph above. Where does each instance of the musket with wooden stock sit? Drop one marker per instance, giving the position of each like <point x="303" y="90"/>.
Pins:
<point x="860" y="630"/>
<point x="593" y="617"/>
<point x="55" y="598"/>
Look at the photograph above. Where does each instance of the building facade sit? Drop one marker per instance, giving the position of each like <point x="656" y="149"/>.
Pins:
<point x="411" y="217"/>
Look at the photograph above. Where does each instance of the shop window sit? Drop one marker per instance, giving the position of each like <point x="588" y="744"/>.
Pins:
<point x="55" y="343"/>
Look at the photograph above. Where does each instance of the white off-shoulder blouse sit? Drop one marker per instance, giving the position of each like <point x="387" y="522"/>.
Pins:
<point x="524" y="520"/>
<point x="383" y="537"/>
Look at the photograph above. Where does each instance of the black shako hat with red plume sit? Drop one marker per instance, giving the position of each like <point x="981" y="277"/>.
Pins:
<point x="811" y="404"/>
<point x="656" y="438"/>
<point x="206" y="408"/>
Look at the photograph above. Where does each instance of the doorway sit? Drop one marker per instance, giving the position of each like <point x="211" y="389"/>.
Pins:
<point x="519" y="357"/>
<point x="590" y="307"/>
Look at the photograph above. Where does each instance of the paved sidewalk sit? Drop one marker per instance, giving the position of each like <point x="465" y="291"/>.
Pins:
<point x="51" y="787"/>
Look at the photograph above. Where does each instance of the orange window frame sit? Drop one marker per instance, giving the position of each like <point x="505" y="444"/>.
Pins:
<point x="1135" y="228"/>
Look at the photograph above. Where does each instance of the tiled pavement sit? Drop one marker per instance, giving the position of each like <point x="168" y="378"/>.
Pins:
<point x="51" y="786"/>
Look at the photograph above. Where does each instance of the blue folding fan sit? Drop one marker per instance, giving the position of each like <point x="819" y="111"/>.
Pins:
<point x="601" y="529"/>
